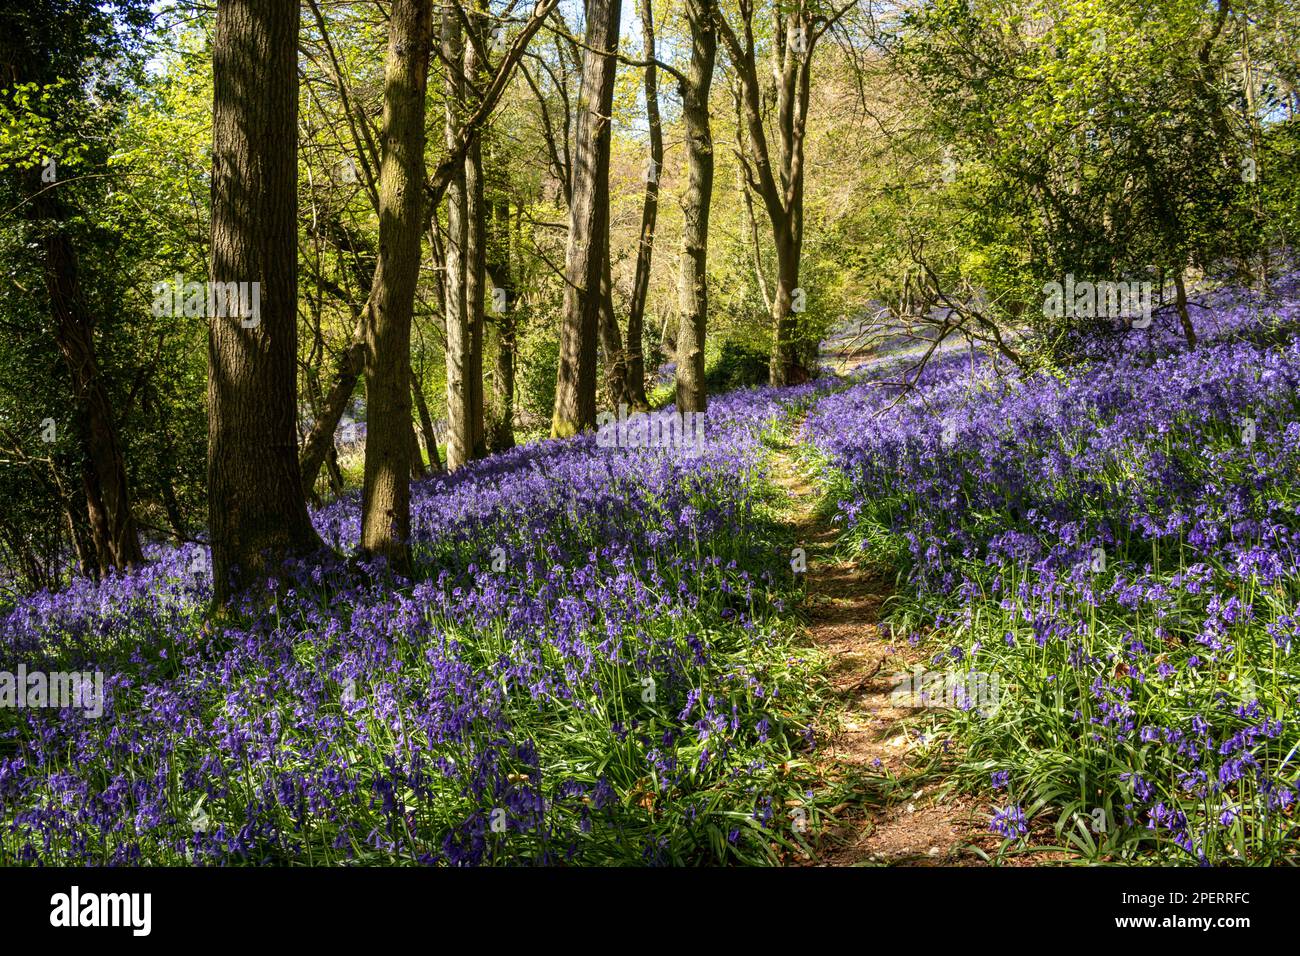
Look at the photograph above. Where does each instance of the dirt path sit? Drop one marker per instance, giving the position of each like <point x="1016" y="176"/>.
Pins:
<point x="891" y="811"/>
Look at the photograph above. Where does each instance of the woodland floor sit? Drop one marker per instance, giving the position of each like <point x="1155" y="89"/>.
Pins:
<point x="893" y="808"/>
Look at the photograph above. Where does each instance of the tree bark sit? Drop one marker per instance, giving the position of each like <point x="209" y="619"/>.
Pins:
<point x="460" y="397"/>
<point x="108" y="494"/>
<point x="475" y="242"/>
<point x="426" y="425"/>
<point x="257" y="515"/>
<point x="115" y="539"/>
<point x="1184" y="316"/>
<point x="588" y="241"/>
<point x="418" y="469"/>
<point x="693" y="291"/>
<point x="501" y="436"/>
<point x="475" y="290"/>
<point x="786" y="366"/>
<point x="386" y="494"/>
<point x="649" y="214"/>
<point x="611" y="342"/>
<point x="781" y="189"/>
<point x="320" y="440"/>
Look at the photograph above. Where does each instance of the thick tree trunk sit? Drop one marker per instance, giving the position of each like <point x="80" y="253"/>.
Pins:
<point x="693" y="290"/>
<point x="460" y="363"/>
<point x="257" y="514"/>
<point x="386" y="495"/>
<point x="587" y="249"/>
<point x="649" y="213"/>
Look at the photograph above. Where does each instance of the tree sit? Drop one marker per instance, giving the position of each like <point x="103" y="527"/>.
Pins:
<point x="43" y="48"/>
<point x="779" y="182"/>
<point x="649" y="214"/>
<point x="694" y="292"/>
<point x="587" y="249"/>
<point x="456" y="311"/>
<point x="390" y="438"/>
<point x="257" y="514"/>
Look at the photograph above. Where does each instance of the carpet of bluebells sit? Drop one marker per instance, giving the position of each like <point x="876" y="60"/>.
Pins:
<point x="590" y="666"/>
<point x="1119" y="545"/>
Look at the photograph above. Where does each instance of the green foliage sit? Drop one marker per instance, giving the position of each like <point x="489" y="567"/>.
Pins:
<point x="737" y="366"/>
<point x="539" y="355"/>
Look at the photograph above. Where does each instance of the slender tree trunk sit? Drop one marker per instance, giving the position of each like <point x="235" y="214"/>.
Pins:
<point x="475" y="283"/>
<point x="108" y="497"/>
<point x="78" y="533"/>
<point x="320" y="440"/>
<point x="386" y="494"/>
<point x="693" y="290"/>
<point x="475" y="243"/>
<point x="778" y="182"/>
<point x="97" y="518"/>
<point x="108" y="490"/>
<point x="460" y="364"/>
<point x="649" y="213"/>
<point x="587" y="249"/>
<point x="1184" y="316"/>
<point x="418" y="469"/>
<point x="334" y="474"/>
<point x="257" y="515"/>
<point x="502" y="434"/>
<point x="426" y="425"/>
<point x="611" y="342"/>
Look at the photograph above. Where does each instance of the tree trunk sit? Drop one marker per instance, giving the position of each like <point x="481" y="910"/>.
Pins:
<point x="611" y="342"/>
<point x="502" y="433"/>
<point x="333" y="472"/>
<point x="475" y="282"/>
<point x="386" y="494"/>
<point x="693" y="290"/>
<point x="649" y="213"/>
<point x="108" y="494"/>
<point x="785" y="366"/>
<point x="779" y="184"/>
<point x="418" y="470"/>
<point x="475" y="250"/>
<point x="426" y="425"/>
<point x="460" y="396"/>
<point x="257" y="515"/>
<point x="588" y="241"/>
<point x="114" y="537"/>
<point x="1184" y="316"/>
<point x="320" y="440"/>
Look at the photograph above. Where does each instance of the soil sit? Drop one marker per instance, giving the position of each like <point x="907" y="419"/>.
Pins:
<point x="893" y="809"/>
